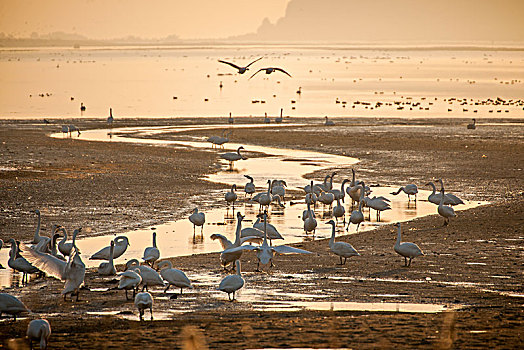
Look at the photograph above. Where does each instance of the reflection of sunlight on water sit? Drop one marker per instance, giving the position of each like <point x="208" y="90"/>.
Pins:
<point x="175" y="238"/>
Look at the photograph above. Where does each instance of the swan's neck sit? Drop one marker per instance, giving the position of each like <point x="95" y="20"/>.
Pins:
<point x="264" y="243"/>
<point x="433" y="187"/>
<point x="332" y="240"/>
<point x="353" y="180"/>
<point x="361" y="198"/>
<point x="237" y="233"/>
<point x="37" y="232"/>
<point x="154" y="240"/>
<point x="111" y="252"/>
<point x="397" y="244"/>
<point x="64" y="239"/>
<point x="442" y="197"/>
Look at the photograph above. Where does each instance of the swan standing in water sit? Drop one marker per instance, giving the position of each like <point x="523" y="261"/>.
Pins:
<point x="278" y="188"/>
<point x="197" y="219"/>
<point x="72" y="272"/>
<point x="339" y="212"/>
<point x="379" y="204"/>
<point x="39" y="330"/>
<point x="472" y="126"/>
<point x="310" y="223"/>
<point x="130" y="279"/>
<point x="410" y="190"/>
<point x="264" y="198"/>
<point x="19" y="263"/>
<point x="328" y="122"/>
<point x="11" y="305"/>
<point x="143" y="301"/>
<point x="66" y="247"/>
<point x="232" y="283"/>
<point x="149" y="276"/>
<point x="151" y="254"/>
<point x="231" y="197"/>
<point x="241" y="70"/>
<point x="121" y="244"/>
<point x="357" y="216"/>
<point x="407" y="249"/>
<point x="232" y="157"/>
<point x="445" y="211"/>
<point x="108" y="268"/>
<point x="174" y="277"/>
<point x="249" y="188"/>
<point x="436" y="197"/>
<point x="342" y="249"/>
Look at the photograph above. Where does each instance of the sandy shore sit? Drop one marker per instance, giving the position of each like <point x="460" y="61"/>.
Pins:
<point x="474" y="266"/>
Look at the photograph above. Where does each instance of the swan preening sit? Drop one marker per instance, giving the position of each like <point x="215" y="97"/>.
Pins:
<point x="11" y="305"/>
<point x="249" y="188"/>
<point x="407" y="249"/>
<point x="39" y="330"/>
<point x="130" y="279"/>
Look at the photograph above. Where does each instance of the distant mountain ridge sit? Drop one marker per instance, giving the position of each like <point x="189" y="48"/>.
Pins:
<point x="395" y="20"/>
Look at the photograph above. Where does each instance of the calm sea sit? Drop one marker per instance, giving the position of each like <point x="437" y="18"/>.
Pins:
<point x="185" y="81"/>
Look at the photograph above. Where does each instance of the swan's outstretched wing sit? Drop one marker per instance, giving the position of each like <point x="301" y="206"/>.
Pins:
<point x="231" y="64"/>
<point x="47" y="263"/>
<point x="284" y="249"/>
<point x="283" y="71"/>
<point x="256" y="72"/>
<point x="242" y="247"/>
<point x="258" y="59"/>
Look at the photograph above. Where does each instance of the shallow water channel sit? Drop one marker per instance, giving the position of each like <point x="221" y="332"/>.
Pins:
<point x="176" y="238"/>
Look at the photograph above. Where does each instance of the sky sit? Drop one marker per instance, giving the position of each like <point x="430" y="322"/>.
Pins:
<point x="109" y="19"/>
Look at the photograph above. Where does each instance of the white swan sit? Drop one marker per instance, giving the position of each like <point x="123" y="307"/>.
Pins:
<point x="271" y="231"/>
<point x="445" y="211"/>
<point x="174" y="277"/>
<point x="143" y="301"/>
<point x="264" y="198"/>
<point x="19" y="263"/>
<point x="241" y="70"/>
<point x="407" y="249"/>
<point x="265" y="252"/>
<point x="270" y="70"/>
<point x="379" y="204"/>
<point x="266" y="119"/>
<point x="37" y="238"/>
<point x="231" y="196"/>
<point x="436" y="197"/>
<point x="39" y="330"/>
<point x="54" y="250"/>
<point x="151" y="254"/>
<point x="410" y="190"/>
<point x="110" y="119"/>
<point x="472" y="126"/>
<point x="339" y="211"/>
<point x="326" y="198"/>
<point x="233" y="156"/>
<point x="353" y="190"/>
<point x="279" y="120"/>
<point x="226" y="243"/>
<point x="223" y="139"/>
<point x="357" y="216"/>
<point x="72" y="272"/>
<point x="130" y="279"/>
<point x="108" y="268"/>
<point x="149" y="276"/>
<point x="342" y="249"/>
<point x="65" y="247"/>
<point x="278" y="188"/>
<point x="453" y="200"/>
<point x="328" y="122"/>
<point x="121" y="244"/>
<point x="310" y="223"/>
<point x="197" y="219"/>
<point x="226" y="257"/>
<point x="11" y="305"/>
<point x="340" y="194"/>
<point x="232" y="283"/>
<point x="249" y="188"/>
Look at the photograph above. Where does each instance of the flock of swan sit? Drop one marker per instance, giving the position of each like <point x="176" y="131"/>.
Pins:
<point x="57" y="257"/>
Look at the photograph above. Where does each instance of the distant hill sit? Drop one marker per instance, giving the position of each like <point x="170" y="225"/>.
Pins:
<point x="342" y="21"/>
